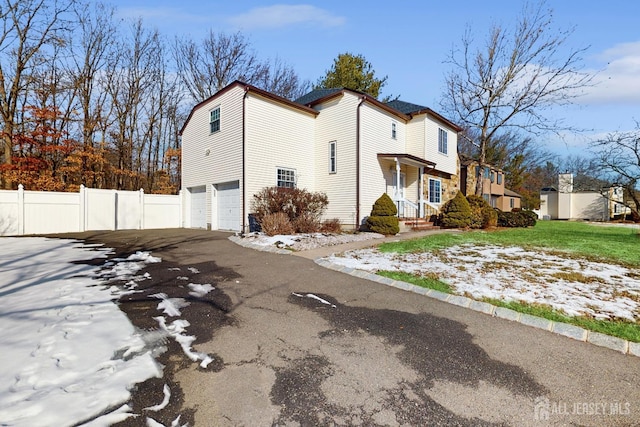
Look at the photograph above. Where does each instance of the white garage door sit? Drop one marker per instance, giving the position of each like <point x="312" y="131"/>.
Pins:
<point x="198" y="207"/>
<point x="229" y="206"/>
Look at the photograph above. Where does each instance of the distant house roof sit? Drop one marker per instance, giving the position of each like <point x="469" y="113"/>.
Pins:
<point x="510" y="193"/>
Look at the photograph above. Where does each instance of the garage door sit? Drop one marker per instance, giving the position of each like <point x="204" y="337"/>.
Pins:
<point x="229" y="206"/>
<point x="198" y="207"/>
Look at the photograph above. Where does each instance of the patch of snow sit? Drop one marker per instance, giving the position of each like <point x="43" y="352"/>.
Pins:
<point x="170" y="306"/>
<point x="193" y="270"/>
<point x="576" y="286"/>
<point x="64" y="340"/>
<point x="176" y="329"/>
<point x="165" y="401"/>
<point x="198" y="290"/>
<point x="313" y="296"/>
<point x="301" y="242"/>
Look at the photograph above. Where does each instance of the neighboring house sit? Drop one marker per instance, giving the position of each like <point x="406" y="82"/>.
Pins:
<point x="564" y="202"/>
<point x="344" y="143"/>
<point x="493" y="189"/>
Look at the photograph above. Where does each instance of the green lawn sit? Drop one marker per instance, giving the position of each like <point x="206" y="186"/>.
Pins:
<point x="618" y="245"/>
<point x="614" y="244"/>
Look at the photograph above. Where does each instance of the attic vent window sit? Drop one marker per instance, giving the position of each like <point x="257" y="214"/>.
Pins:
<point x="393" y="130"/>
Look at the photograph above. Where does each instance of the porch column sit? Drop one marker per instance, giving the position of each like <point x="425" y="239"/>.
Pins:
<point x="397" y="178"/>
<point x="421" y="191"/>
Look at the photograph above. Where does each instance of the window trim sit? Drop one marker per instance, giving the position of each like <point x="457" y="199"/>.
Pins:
<point x="213" y="121"/>
<point x="333" y="157"/>
<point x="443" y="144"/>
<point x="280" y="178"/>
<point x="431" y="198"/>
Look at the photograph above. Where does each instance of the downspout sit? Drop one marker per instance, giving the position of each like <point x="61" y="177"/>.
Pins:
<point x="357" y="224"/>
<point x="244" y="181"/>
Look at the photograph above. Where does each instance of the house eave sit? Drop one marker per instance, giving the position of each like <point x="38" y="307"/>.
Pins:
<point x="407" y="159"/>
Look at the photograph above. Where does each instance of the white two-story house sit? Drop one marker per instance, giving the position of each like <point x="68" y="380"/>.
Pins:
<point x="344" y="143"/>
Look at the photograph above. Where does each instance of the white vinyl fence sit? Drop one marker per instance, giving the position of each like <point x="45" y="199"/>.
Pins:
<point x="43" y="212"/>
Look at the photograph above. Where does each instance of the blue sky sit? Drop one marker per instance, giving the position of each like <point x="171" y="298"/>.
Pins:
<point x="409" y="42"/>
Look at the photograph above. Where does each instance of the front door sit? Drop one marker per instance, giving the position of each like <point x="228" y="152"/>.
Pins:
<point x="398" y="192"/>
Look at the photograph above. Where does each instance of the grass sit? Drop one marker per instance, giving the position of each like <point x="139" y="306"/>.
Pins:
<point x="613" y="244"/>
<point x="422" y="281"/>
<point x="618" y="245"/>
<point x="621" y="329"/>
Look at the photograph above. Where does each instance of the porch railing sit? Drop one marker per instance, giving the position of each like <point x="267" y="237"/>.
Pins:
<point x="409" y="209"/>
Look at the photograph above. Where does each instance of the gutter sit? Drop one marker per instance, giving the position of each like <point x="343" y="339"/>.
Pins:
<point x="244" y="181"/>
<point x="357" y="224"/>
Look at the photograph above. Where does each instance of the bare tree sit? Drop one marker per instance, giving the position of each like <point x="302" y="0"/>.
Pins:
<point x="619" y="157"/>
<point x="28" y="27"/>
<point x="206" y="67"/>
<point x="513" y="78"/>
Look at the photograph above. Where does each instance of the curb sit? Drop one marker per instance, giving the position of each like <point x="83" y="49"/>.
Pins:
<point x="564" y="329"/>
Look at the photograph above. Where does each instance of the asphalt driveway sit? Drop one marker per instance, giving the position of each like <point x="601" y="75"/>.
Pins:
<point x="296" y="344"/>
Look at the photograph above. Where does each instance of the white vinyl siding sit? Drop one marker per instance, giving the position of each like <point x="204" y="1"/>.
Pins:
<point x="277" y="137"/>
<point x="337" y="122"/>
<point x="210" y="158"/>
<point x="374" y="139"/>
<point x="444" y="162"/>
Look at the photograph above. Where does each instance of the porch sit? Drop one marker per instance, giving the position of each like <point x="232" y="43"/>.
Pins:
<point x="405" y="185"/>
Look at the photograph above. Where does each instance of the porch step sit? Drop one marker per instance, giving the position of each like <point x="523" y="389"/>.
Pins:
<point x="416" y="224"/>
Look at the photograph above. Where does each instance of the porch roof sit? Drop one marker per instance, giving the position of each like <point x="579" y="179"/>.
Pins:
<point x="407" y="159"/>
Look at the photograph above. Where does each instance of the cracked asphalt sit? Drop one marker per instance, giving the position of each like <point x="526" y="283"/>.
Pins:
<point x="294" y="344"/>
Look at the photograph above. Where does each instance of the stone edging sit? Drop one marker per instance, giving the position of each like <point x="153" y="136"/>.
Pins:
<point x="565" y="329"/>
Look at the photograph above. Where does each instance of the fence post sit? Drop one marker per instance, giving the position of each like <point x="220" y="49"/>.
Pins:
<point x="20" y="210"/>
<point x="181" y="194"/>
<point x="83" y="209"/>
<point x="141" y="200"/>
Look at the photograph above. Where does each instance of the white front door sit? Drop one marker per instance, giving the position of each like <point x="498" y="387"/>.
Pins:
<point x="398" y="191"/>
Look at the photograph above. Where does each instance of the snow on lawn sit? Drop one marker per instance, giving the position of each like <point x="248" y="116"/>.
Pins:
<point x="306" y="241"/>
<point x="68" y="353"/>
<point x="574" y="285"/>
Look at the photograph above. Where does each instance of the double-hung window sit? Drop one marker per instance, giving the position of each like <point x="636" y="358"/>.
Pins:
<point x="214" y="120"/>
<point x="435" y="193"/>
<point x="442" y="141"/>
<point x="499" y="178"/>
<point x="286" y="178"/>
<point x="333" y="154"/>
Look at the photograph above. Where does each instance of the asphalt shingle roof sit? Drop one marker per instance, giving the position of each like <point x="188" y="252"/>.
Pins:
<point x="316" y="94"/>
<point x="405" y="107"/>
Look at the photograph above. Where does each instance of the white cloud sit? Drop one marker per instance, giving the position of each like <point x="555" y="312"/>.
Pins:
<point x="618" y="81"/>
<point x="281" y="15"/>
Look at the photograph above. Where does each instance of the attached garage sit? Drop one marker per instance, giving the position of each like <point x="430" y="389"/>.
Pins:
<point x="228" y="196"/>
<point x="198" y="202"/>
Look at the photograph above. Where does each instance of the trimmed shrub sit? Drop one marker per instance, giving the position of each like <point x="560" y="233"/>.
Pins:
<point x="384" y="206"/>
<point x="294" y="203"/>
<point x="331" y="226"/>
<point x="456" y="213"/>
<point x="383" y="218"/>
<point x="387" y="225"/>
<point x="277" y="223"/>
<point x="517" y="218"/>
<point x="482" y="214"/>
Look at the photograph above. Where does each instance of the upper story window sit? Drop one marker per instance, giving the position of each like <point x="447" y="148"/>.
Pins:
<point x="493" y="176"/>
<point x="393" y="131"/>
<point x="333" y="154"/>
<point x="214" y="120"/>
<point x="286" y="178"/>
<point x="442" y="141"/>
<point x="499" y="178"/>
<point x="487" y="171"/>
